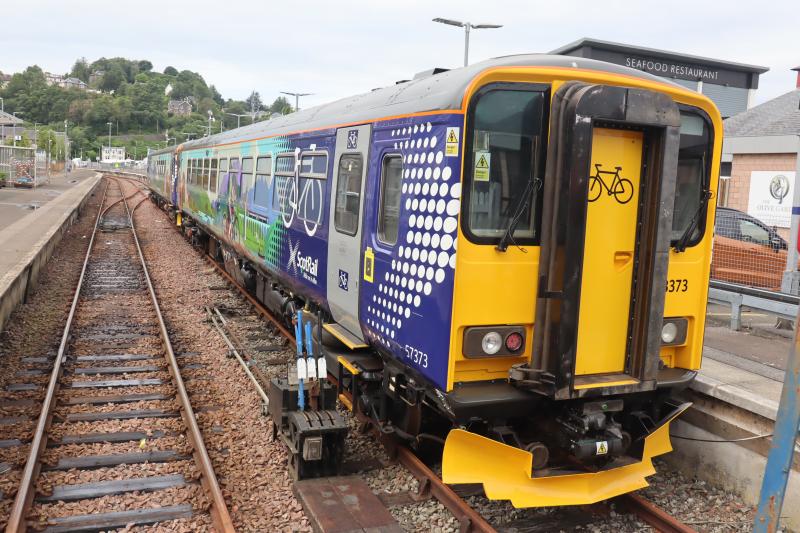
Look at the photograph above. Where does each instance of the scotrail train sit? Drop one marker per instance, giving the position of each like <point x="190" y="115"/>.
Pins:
<point x="510" y="257"/>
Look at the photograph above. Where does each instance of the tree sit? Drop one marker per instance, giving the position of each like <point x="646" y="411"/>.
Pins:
<point x="171" y="71"/>
<point x="281" y="105"/>
<point x="254" y="102"/>
<point x="81" y="70"/>
<point x="112" y="78"/>
<point x="217" y="97"/>
<point x="145" y="66"/>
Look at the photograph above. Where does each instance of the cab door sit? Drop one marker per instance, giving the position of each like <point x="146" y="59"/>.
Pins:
<point x="344" y="237"/>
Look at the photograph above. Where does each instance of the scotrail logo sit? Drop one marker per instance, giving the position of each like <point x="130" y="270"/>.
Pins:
<point x="300" y="265"/>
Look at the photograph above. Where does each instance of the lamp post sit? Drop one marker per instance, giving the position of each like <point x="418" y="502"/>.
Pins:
<point x="14" y="126"/>
<point x="238" y="118"/>
<point x="467" y="27"/>
<point x="109" y="137"/>
<point x="3" y="125"/>
<point x="296" y="98"/>
<point x="210" y="120"/>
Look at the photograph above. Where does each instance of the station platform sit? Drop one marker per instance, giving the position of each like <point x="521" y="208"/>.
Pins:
<point x="28" y="236"/>
<point x="724" y="438"/>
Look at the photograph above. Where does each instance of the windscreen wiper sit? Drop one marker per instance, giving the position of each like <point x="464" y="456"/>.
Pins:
<point x="680" y="246"/>
<point x="502" y="246"/>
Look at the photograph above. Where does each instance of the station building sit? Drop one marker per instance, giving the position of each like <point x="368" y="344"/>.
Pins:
<point x="729" y="85"/>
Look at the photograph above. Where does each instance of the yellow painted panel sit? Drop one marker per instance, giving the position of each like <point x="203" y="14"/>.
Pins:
<point x="611" y="217"/>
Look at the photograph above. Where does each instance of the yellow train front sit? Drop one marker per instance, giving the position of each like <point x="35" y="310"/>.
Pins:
<point x="580" y="283"/>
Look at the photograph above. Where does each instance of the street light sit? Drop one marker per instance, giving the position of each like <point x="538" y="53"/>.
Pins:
<point x="109" y="137"/>
<point x="210" y="120"/>
<point x="296" y="98"/>
<point x="467" y="27"/>
<point x="188" y="135"/>
<point x="3" y="125"/>
<point x="14" y="126"/>
<point x="238" y="118"/>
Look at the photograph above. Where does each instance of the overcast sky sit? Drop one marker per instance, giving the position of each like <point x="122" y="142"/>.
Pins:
<point x="335" y="49"/>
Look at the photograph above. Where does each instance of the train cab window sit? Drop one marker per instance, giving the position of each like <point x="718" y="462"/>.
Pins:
<point x="691" y="183"/>
<point x="263" y="179"/>
<point x="389" y="214"/>
<point x="247" y="176"/>
<point x="348" y="194"/>
<point x="505" y="163"/>
<point x="212" y="176"/>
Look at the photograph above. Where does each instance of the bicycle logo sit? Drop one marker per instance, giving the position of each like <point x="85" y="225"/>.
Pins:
<point x="621" y="188"/>
<point x="305" y="204"/>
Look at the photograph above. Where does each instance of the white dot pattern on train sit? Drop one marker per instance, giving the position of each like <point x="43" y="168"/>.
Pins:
<point x="427" y="249"/>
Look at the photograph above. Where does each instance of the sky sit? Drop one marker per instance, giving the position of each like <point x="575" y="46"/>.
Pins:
<point x="341" y="48"/>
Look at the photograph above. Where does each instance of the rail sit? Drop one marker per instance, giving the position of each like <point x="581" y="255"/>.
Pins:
<point x="24" y="497"/>
<point x="738" y="296"/>
<point x="25" y="494"/>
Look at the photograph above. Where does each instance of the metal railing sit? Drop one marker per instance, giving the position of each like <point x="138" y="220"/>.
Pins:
<point x="737" y="296"/>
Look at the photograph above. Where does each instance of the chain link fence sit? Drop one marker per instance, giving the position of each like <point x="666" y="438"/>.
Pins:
<point x="752" y="232"/>
<point x="22" y="167"/>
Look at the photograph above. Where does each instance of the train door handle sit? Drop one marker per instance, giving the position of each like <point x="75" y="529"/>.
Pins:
<point x="621" y="259"/>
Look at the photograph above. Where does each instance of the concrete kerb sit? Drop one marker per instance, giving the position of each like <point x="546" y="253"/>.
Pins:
<point x="27" y="245"/>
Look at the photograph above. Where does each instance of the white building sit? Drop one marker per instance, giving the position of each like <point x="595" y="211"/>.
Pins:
<point x="112" y="154"/>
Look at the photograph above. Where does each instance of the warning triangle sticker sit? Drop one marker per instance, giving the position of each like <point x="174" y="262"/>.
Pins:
<point x="482" y="163"/>
<point x="451" y="137"/>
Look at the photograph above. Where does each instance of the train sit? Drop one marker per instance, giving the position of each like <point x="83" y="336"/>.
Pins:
<point x="507" y="264"/>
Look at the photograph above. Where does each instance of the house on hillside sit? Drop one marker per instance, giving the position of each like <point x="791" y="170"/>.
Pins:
<point x="4" y="79"/>
<point x="9" y="125"/>
<point x="53" y="79"/>
<point x="180" y="107"/>
<point x="73" y="83"/>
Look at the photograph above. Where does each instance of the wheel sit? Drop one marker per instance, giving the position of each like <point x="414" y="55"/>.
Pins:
<point x="623" y="191"/>
<point x="595" y="188"/>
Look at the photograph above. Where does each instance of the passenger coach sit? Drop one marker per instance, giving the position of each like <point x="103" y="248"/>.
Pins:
<point x="513" y="255"/>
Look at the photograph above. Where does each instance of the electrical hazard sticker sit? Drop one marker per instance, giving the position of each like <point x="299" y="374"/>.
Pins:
<point x="369" y="264"/>
<point x="451" y="142"/>
<point x="602" y="447"/>
<point x="483" y="163"/>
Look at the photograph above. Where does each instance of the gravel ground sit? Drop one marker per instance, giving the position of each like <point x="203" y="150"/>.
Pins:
<point x="251" y="469"/>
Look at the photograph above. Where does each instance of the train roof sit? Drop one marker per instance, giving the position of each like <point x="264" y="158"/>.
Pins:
<point x="436" y="92"/>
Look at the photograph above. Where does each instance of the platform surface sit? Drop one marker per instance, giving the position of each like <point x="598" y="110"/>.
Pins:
<point x="344" y="504"/>
<point x="16" y="202"/>
<point x="744" y="368"/>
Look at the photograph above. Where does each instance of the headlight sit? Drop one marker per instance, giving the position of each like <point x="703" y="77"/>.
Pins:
<point x="668" y="333"/>
<point x="673" y="331"/>
<point x="491" y="343"/>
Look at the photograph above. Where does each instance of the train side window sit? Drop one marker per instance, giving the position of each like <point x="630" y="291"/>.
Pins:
<point x="247" y="177"/>
<point x="348" y="194"/>
<point x="263" y="179"/>
<point x="204" y="174"/>
<point x="389" y="214"/>
<point x="222" y="173"/>
<point x="190" y="171"/>
<point x="284" y="169"/>
<point x="314" y="166"/>
<point x="212" y="176"/>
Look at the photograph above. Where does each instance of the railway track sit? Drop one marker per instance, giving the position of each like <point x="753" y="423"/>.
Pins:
<point x="116" y="442"/>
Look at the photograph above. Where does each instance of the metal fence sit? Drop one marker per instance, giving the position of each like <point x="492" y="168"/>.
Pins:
<point x="750" y="251"/>
<point x="23" y="166"/>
